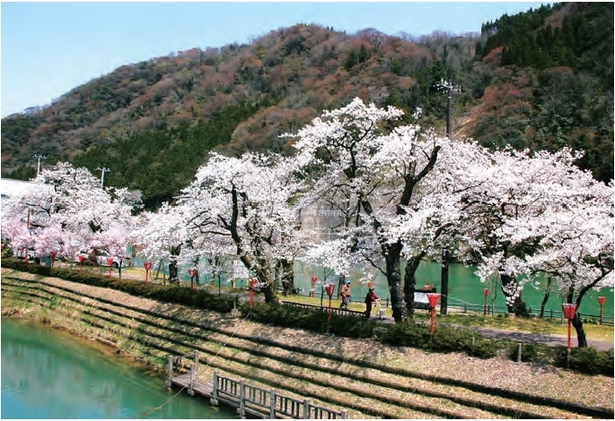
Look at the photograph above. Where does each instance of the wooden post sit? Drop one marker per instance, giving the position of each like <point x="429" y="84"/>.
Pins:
<point x="242" y="398"/>
<point x="272" y="405"/>
<point x="214" y="390"/>
<point x="519" y="353"/>
<point x="170" y="376"/>
<point x="196" y="361"/>
<point x="306" y="409"/>
<point x="192" y="377"/>
<point x="344" y="414"/>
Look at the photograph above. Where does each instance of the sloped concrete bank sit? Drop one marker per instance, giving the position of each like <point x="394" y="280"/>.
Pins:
<point x="363" y="376"/>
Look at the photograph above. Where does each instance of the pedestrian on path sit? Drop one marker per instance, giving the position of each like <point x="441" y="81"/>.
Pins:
<point x="345" y="292"/>
<point x="370" y="299"/>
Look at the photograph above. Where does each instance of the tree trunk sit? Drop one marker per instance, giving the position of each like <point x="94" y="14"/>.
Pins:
<point x="173" y="271"/>
<point x="410" y="283"/>
<point x="514" y="303"/>
<point x="394" y="280"/>
<point x="545" y="298"/>
<point x="577" y="323"/>
<point x="288" y="274"/>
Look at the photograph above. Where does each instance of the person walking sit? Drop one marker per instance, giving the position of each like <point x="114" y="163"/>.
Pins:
<point x="345" y="292"/>
<point x="370" y="299"/>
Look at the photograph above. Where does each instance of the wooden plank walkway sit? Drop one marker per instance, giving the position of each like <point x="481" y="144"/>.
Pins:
<point x="248" y="399"/>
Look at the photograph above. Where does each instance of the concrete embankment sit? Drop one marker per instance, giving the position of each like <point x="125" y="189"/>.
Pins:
<point x="363" y="376"/>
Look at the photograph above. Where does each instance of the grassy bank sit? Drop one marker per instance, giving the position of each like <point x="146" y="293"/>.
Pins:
<point x="371" y="379"/>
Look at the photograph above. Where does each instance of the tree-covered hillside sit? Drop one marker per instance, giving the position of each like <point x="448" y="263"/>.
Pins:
<point x="541" y="79"/>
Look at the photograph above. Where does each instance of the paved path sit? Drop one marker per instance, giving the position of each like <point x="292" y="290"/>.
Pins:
<point x="527" y="337"/>
<point x="537" y="338"/>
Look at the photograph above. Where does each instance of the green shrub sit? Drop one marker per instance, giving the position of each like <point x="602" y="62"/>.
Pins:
<point x="407" y="334"/>
<point x="448" y="339"/>
<point x="352" y="326"/>
<point x="586" y="360"/>
<point x="485" y="348"/>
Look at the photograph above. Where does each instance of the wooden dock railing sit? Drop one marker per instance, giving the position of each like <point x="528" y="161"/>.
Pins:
<point x="248" y="399"/>
<point x="264" y="403"/>
<point x="335" y="310"/>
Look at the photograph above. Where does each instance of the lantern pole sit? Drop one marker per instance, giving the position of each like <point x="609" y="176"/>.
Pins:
<point x="433" y="302"/>
<point x="601" y="301"/>
<point x="252" y="285"/>
<point x="110" y="263"/>
<point x="147" y="266"/>
<point x="486" y="293"/>
<point x="569" y="309"/>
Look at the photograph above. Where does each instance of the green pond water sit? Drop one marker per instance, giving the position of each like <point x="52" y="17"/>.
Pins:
<point x="48" y="373"/>
<point x="464" y="288"/>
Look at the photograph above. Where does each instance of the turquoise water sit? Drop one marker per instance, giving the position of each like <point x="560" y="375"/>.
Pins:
<point x="47" y="373"/>
<point x="464" y="288"/>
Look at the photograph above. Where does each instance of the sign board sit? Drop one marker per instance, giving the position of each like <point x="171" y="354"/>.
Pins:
<point x="420" y="299"/>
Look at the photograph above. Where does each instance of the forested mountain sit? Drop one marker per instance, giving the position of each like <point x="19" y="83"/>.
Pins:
<point x="541" y="79"/>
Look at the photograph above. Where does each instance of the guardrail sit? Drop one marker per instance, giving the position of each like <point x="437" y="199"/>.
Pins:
<point x="248" y="399"/>
<point x="260" y="402"/>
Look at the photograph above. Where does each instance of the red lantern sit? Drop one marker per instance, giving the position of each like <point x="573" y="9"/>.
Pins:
<point x="601" y="301"/>
<point x="569" y="310"/>
<point x="193" y="272"/>
<point x="486" y="293"/>
<point x="147" y="266"/>
<point x="252" y="286"/>
<point x="370" y="285"/>
<point x="330" y="288"/>
<point x="433" y="301"/>
<point x="80" y="257"/>
<point x="314" y="280"/>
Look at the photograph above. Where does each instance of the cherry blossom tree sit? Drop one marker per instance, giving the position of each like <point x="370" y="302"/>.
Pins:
<point x="539" y="214"/>
<point x="374" y="171"/>
<point x="570" y="229"/>
<point x="162" y="235"/>
<point x="247" y="202"/>
<point x="69" y="209"/>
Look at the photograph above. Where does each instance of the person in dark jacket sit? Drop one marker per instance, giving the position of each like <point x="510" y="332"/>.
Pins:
<point x="370" y="298"/>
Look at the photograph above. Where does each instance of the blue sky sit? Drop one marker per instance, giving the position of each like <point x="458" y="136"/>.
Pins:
<point x="49" y="48"/>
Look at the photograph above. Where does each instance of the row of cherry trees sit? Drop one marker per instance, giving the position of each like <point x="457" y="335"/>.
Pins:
<point x="403" y="193"/>
<point x="68" y="210"/>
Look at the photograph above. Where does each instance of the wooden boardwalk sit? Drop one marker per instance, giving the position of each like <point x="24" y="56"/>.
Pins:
<point x="249" y="400"/>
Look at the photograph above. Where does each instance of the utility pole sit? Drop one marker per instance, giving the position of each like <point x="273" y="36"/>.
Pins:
<point x="450" y="87"/>
<point x="38" y="166"/>
<point x="102" y="177"/>
<point x="444" y="282"/>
